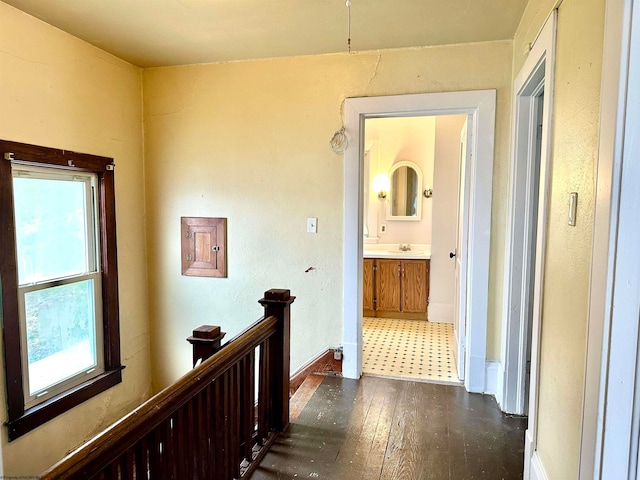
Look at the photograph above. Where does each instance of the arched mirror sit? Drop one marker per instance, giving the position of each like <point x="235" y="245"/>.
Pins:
<point x="405" y="201"/>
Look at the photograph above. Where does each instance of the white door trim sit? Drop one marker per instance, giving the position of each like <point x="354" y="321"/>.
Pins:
<point x="609" y="446"/>
<point x="538" y="68"/>
<point x="462" y="241"/>
<point x="480" y="105"/>
<point x="536" y="73"/>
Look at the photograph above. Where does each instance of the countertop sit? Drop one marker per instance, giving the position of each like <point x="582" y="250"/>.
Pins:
<point x="417" y="251"/>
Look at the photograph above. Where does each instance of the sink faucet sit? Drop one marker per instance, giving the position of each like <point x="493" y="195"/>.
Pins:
<point x="405" y="247"/>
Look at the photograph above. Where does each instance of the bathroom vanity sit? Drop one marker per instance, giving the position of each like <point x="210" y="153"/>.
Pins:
<point x="396" y="283"/>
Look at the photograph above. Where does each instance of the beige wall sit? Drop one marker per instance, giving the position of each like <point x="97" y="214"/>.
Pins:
<point x="397" y="140"/>
<point x="445" y="209"/>
<point x="250" y="141"/>
<point x="565" y="295"/>
<point x="58" y="91"/>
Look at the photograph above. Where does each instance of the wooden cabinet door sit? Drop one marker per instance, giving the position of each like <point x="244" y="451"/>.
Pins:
<point x="368" y="287"/>
<point x="414" y="286"/>
<point x="388" y="285"/>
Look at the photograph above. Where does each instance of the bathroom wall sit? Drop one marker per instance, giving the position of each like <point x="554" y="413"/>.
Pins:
<point x="394" y="140"/>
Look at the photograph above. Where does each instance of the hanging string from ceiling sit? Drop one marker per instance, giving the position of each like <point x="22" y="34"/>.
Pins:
<point x="348" y="26"/>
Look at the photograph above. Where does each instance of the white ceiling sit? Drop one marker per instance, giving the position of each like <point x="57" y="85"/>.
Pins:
<point x="152" y="33"/>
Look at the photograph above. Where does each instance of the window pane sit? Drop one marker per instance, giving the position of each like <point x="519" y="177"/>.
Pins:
<point x="51" y="228"/>
<point x="61" y="337"/>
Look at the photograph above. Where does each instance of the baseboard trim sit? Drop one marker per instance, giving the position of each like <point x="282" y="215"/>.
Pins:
<point x="533" y="468"/>
<point x="475" y="375"/>
<point x="440" y="312"/>
<point x="537" y="470"/>
<point x="500" y="385"/>
<point x="492" y="369"/>
<point x="322" y="363"/>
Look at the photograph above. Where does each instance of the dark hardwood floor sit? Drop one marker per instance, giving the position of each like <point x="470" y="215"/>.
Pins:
<point x="378" y="428"/>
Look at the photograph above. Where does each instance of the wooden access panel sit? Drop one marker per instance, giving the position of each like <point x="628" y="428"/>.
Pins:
<point x="204" y="246"/>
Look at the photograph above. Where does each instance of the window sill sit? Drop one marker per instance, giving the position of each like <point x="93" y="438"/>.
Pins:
<point x="40" y="414"/>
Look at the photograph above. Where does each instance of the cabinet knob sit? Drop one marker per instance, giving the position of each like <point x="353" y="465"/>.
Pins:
<point x="452" y="254"/>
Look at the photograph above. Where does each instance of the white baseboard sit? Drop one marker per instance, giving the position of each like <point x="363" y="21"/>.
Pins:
<point x="533" y="468"/>
<point x="528" y="446"/>
<point x="440" y="312"/>
<point x="537" y="470"/>
<point x="500" y="385"/>
<point x="475" y="374"/>
<point x="492" y="369"/>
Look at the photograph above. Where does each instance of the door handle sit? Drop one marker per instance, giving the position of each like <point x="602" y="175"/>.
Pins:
<point x="452" y="254"/>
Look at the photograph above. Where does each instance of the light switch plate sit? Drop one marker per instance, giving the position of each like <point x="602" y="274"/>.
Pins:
<point x="312" y="225"/>
<point x="573" y="208"/>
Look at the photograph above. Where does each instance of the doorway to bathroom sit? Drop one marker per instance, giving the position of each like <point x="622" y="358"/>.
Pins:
<point x="479" y="107"/>
<point x="411" y="226"/>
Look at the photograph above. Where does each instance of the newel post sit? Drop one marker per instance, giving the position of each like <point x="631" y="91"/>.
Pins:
<point x="277" y="302"/>
<point x="206" y="341"/>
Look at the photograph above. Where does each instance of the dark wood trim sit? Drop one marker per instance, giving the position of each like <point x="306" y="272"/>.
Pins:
<point x="109" y="260"/>
<point x="36" y="416"/>
<point x="317" y="365"/>
<point x="255" y="463"/>
<point x="118" y="438"/>
<point x="401" y="315"/>
<point x="9" y="300"/>
<point x="48" y="157"/>
<point x="21" y="421"/>
<point x="277" y="302"/>
<point x="204" y="425"/>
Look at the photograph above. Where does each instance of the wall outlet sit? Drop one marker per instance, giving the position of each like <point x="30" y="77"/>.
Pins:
<point x="383" y="228"/>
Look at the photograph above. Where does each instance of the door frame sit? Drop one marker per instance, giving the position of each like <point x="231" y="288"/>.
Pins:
<point x="480" y="106"/>
<point x="611" y="410"/>
<point x="537" y="73"/>
<point x="462" y="214"/>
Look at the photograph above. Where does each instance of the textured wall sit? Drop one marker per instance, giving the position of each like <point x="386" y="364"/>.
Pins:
<point x="249" y="141"/>
<point x="58" y="91"/>
<point x="567" y="265"/>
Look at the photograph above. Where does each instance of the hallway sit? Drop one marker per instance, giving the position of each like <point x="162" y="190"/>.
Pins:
<point x="378" y="428"/>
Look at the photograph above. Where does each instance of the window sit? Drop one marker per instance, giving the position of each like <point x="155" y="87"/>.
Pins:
<point x="58" y="272"/>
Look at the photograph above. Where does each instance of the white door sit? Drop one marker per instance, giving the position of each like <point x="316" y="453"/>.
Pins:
<point x="460" y="253"/>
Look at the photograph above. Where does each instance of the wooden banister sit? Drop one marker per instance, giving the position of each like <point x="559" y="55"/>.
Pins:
<point x="206" y="425"/>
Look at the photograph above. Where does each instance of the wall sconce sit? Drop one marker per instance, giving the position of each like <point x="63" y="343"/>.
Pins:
<point x="428" y="193"/>
<point x="381" y="185"/>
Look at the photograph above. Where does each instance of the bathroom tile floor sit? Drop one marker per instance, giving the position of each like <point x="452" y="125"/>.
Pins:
<point x="409" y="349"/>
